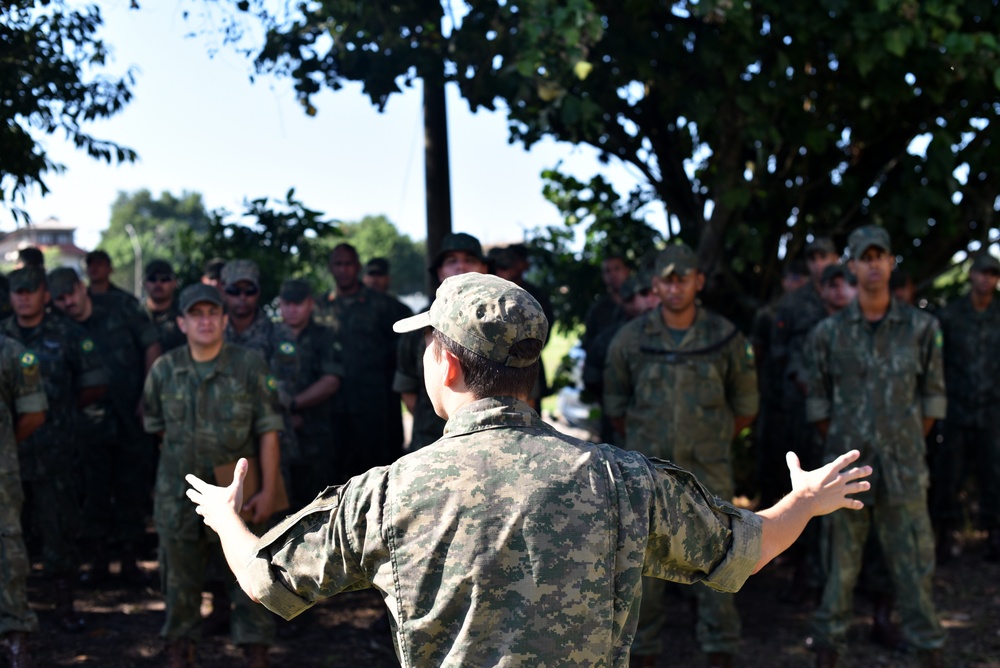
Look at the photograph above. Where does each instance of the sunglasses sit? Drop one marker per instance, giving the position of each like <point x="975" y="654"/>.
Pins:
<point x="159" y="278"/>
<point x="235" y="291"/>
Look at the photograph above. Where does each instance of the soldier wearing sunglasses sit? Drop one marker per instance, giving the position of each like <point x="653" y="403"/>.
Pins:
<point x="160" y="303"/>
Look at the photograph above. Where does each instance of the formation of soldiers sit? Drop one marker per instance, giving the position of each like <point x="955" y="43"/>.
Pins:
<point x="110" y="401"/>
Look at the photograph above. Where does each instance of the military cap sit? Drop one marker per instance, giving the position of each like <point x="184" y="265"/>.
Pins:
<point x="675" y="259"/>
<point x="821" y="245"/>
<point x="833" y="271"/>
<point x="985" y="261"/>
<point x="62" y="281"/>
<point x="159" y="268"/>
<point x="377" y="266"/>
<point x="485" y="314"/>
<point x="28" y="278"/>
<point x="502" y="258"/>
<point x="95" y="255"/>
<point x="865" y="237"/>
<point x="458" y="241"/>
<point x="197" y="293"/>
<point x="628" y="290"/>
<point x="295" y="290"/>
<point x="235" y="271"/>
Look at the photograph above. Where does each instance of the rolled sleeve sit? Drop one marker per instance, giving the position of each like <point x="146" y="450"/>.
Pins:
<point x="31" y="403"/>
<point x="935" y="407"/>
<point x="266" y="423"/>
<point x="744" y="553"/>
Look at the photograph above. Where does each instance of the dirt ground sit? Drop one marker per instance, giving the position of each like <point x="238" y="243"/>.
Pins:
<point x="123" y="622"/>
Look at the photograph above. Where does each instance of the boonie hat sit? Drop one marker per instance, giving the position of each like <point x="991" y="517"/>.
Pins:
<point x="62" y="281"/>
<point x="26" y="278"/>
<point x="865" y="237"/>
<point x="295" y="290"/>
<point x="484" y="314"/>
<point x="197" y="293"/>
<point x="676" y="259"/>
<point x="235" y="271"/>
<point x="821" y="245"/>
<point x="985" y="261"/>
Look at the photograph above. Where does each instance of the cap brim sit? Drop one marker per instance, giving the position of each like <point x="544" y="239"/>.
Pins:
<point x="202" y="300"/>
<point x="413" y="323"/>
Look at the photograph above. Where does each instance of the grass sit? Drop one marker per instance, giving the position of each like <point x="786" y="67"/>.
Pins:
<point x="559" y="345"/>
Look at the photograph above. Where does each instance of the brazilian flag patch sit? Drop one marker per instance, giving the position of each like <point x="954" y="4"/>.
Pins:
<point x="87" y="345"/>
<point x="286" y="348"/>
<point x="750" y="352"/>
<point x="28" y="360"/>
<point x="272" y="383"/>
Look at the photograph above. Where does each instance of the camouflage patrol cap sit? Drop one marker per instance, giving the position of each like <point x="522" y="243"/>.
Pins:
<point x="26" y="278"/>
<point x="458" y="241"/>
<point x="197" y="293"/>
<point x="295" y="290"/>
<point x="821" y="245"/>
<point x="62" y="281"/>
<point x="675" y="259"/>
<point x="377" y="266"/>
<point x="833" y="271"/>
<point x="865" y="237"/>
<point x="235" y="271"/>
<point x="159" y="268"/>
<point x="985" y="261"/>
<point x="484" y="314"/>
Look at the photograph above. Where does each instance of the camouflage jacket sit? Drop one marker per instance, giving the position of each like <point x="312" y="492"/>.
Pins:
<point x="876" y="386"/>
<point x="258" y="336"/>
<point x="603" y="313"/>
<point x="363" y="325"/>
<point x="507" y="543"/>
<point x="680" y="401"/>
<point x="205" y="422"/>
<point x="165" y="322"/>
<point x="795" y="316"/>
<point x="68" y="362"/>
<point x="21" y="391"/>
<point x="427" y="425"/>
<point x="972" y="362"/>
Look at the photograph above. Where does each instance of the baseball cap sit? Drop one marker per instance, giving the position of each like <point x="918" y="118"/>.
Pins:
<point x="985" y="261"/>
<point x="235" y="271"/>
<point x="821" y="245"/>
<point x="62" y="281"/>
<point x="197" y="293"/>
<point x="295" y="290"/>
<point x="377" y="266"/>
<point x="865" y="237"/>
<point x="676" y="259"/>
<point x="833" y="271"/>
<point x="485" y="314"/>
<point x="159" y="268"/>
<point x="458" y="241"/>
<point x="28" y="278"/>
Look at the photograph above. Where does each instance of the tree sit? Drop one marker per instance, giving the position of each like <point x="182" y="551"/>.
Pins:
<point x="376" y="236"/>
<point x="49" y="52"/>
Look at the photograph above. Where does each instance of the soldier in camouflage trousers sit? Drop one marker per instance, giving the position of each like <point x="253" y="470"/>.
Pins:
<point x="679" y="382"/>
<point x="506" y="542"/>
<point x="22" y="411"/>
<point x="213" y="403"/>
<point x="876" y="384"/>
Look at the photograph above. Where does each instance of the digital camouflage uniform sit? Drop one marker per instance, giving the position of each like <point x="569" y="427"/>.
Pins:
<point x="299" y="362"/>
<point x="165" y="322"/>
<point x="21" y="391"/>
<point x="507" y="543"/>
<point x="876" y="385"/>
<point x="972" y="430"/>
<point x="68" y="363"/>
<point x="206" y="421"/>
<point x="117" y="456"/>
<point x="679" y="402"/>
<point x="367" y="420"/>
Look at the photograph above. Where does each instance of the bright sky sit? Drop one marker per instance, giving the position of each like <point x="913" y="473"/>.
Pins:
<point x="198" y="124"/>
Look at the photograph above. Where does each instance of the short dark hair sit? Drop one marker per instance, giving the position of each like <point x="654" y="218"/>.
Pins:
<point x="486" y="378"/>
<point x="97" y="256"/>
<point x="213" y="268"/>
<point x="31" y="256"/>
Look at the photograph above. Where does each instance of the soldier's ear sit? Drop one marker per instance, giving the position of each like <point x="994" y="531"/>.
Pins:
<point x="182" y="324"/>
<point x="453" y="375"/>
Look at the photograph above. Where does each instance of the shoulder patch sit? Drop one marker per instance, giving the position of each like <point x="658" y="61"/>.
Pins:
<point x="939" y="339"/>
<point x="749" y="352"/>
<point x="87" y="345"/>
<point x="28" y="359"/>
<point x="286" y="348"/>
<point x="272" y="383"/>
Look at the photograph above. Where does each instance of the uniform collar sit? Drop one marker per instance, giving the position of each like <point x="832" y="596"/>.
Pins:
<point x="491" y="413"/>
<point x="895" y="312"/>
<point x="186" y="364"/>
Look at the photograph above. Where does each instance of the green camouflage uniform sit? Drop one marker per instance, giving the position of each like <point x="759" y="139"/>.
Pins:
<point x="165" y="322"/>
<point x="117" y="456"/>
<point x="21" y="391"/>
<point x="367" y="421"/>
<point x="205" y="421"/>
<point x="299" y="362"/>
<point x="507" y="543"/>
<point x="679" y="402"/>
<point x="68" y="363"/>
<point x="258" y="336"/>
<point x="876" y="385"/>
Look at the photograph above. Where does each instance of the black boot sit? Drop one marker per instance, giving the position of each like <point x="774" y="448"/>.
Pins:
<point x="96" y="551"/>
<point x="14" y="648"/>
<point x="180" y="653"/>
<point x="884" y="632"/>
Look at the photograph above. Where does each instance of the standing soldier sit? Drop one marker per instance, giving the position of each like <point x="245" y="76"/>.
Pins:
<point x="73" y="377"/>
<point x="971" y="328"/>
<point x="460" y="253"/>
<point x="367" y="420"/>
<point x="606" y="309"/>
<point x="248" y="325"/>
<point x="876" y="384"/>
<point x="99" y="272"/>
<point x="212" y="403"/>
<point x="377" y="276"/>
<point x="308" y="367"/>
<point x="22" y="411"/>
<point x="118" y="456"/>
<point x="160" y="305"/>
<point x="679" y="384"/>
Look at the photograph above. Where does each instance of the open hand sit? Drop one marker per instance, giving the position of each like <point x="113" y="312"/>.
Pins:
<point x="827" y="488"/>
<point x="218" y="504"/>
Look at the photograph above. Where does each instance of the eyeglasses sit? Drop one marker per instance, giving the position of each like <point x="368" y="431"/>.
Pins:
<point x="236" y="291"/>
<point x="159" y="278"/>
